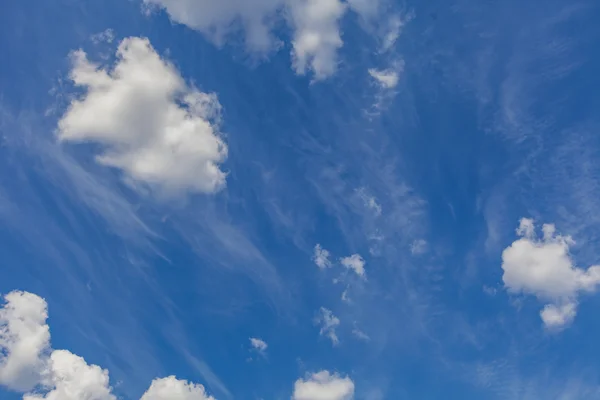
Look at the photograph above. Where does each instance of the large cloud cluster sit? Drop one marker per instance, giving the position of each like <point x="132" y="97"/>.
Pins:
<point x="29" y="365"/>
<point x="315" y="25"/>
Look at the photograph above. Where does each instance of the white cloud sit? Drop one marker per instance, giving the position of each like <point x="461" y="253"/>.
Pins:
<point x="259" y="345"/>
<point x="315" y="26"/>
<point x="27" y="361"/>
<point x="356" y="263"/>
<point x="360" y="334"/>
<point x="149" y="122"/>
<point x="106" y="36"/>
<point x="321" y="257"/>
<point x="387" y="78"/>
<point x="329" y="323"/>
<point x="558" y="316"/>
<point x="418" y="246"/>
<point x="171" y="388"/>
<point x="543" y="267"/>
<point x="217" y="19"/>
<point x="369" y="201"/>
<point x="71" y="378"/>
<point x="365" y="8"/>
<point x="323" y="386"/>
<point x="395" y="25"/>
<point x="346" y="296"/>
<point x="24" y="340"/>
<point x="317" y="36"/>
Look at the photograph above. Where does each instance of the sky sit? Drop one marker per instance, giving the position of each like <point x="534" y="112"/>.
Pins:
<point x="299" y="200"/>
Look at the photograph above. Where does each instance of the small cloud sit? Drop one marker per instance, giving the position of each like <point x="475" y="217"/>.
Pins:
<point x="346" y="296"/>
<point x="107" y="36"/>
<point x="356" y="263"/>
<point x="369" y="201"/>
<point x="490" y="291"/>
<point x="259" y="345"/>
<point x="386" y="78"/>
<point x="323" y="386"/>
<point x="418" y="246"/>
<point x="392" y="31"/>
<point x="321" y="257"/>
<point x="171" y="388"/>
<point x="556" y="317"/>
<point x="317" y="38"/>
<point x="329" y="323"/>
<point x="360" y="334"/>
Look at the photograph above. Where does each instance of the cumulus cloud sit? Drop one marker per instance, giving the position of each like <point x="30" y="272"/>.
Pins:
<point x="317" y="36"/>
<point x="71" y="378"/>
<point x="149" y="123"/>
<point x="314" y="23"/>
<point x="171" y="388"/>
<point x="27" y="362"/>
<point x="24" y="340"/>
<point x="323" y="386"/>
<point x="259" y="345"/>
<point x="543" y="267"/>
<point x="218" y="19"/>
<point x="321" y="257"/>
<point x="356" y="263"/>
<point x="328" y="323"/>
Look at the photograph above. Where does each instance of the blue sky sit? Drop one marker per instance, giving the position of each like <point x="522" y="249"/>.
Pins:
<point x="399" y="199"/>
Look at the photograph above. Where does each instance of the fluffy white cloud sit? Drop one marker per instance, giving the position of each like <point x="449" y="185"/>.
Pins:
<point x="171" y="388"/>
<point x="324" y="386"/>
<point x="317" y="36"/>
<point x="149" y="122"/>
<point x="259" y="345"/>
<point x="71" y="378"/>
<point x="557" y="316"/>
<point x="217" y="19"/>
<point x="321" y="257"/>
<point x="356" y="263"/>
<point x="27" y="361"/>
<point x="328" y="323"/>
<point x="24" y="340"/>
<point x="315" y="25"/>
<point x="543" y="267"/>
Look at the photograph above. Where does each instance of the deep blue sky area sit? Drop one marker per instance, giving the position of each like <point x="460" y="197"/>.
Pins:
<point x="439" y="126"/>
